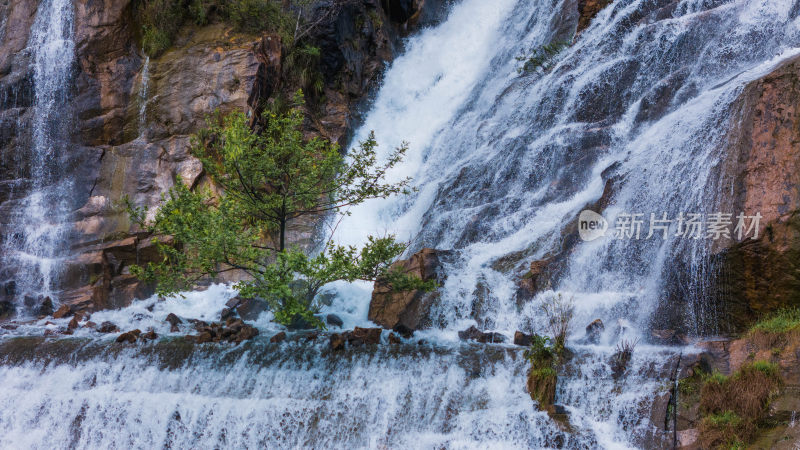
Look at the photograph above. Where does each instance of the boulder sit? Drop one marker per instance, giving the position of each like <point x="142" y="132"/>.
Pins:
<point x="278" y="338"/>
<point x="364" y="336"/>
<point x="150" y="335"/>
<point x="129" y="336"/>
<point x="594" y="330"/>
<point x="409" y="309"/>
<point x="46" y="307"/>
<point x="337" y="341"/>
<point x="474" y="334"/>
<point x="7" y="309"/>
<point x="247" y="308"/>
<point x="522" y="339"/>
<point x="62" y="311"/>
<point x="107" y="327"/>
<point x="174" y="321"/>
<point x="334" y="320"/>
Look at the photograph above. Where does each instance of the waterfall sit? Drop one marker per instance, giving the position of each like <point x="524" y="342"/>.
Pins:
<point x="145" y="81"/>
<point x="34" y="245"/>
<point x="504" y="163"/>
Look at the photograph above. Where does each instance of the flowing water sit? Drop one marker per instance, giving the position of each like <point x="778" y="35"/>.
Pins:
<point x="35" y="244"/>
<point x="504" y="163"/>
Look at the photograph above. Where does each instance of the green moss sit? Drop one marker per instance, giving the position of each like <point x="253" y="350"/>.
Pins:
<point x="781" y="321"/>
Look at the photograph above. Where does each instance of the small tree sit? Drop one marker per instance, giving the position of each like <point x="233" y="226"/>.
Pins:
<point x="267" y="180"/>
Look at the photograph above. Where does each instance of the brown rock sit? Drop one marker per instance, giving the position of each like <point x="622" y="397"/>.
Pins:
<point x="173" y="320"/>
<point x="365" y="336"/>
<point x="73" y="323"/>
<point x="204" y="337"/>
<point x="409" y="308"/>
<point x="587" y="9"/>
<point x="89" y="324"/>
<point x="62" y="311"/>
<point x="522" y="339"/>
<point x="278" y="338"/>
<point x="594" y="330"/>
<point x="337" y="341"/>
<point x="108" y="327"/>
<point x="150" y="335"/>
<point x="129" y="336"/>
<point x="394" y="339"/>
<point x="761" y="174"/>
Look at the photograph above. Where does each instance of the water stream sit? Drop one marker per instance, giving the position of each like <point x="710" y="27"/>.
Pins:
<point x="504" y="162"/>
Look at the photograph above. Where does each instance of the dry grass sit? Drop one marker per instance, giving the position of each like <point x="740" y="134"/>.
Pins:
<point x="733" y="405"/>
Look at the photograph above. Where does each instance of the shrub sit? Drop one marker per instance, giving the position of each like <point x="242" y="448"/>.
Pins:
<point x="622" y="357"/>
<point x="559" y="312"/>
<point x="734" y="404"/>
<point x="542" y="386"/>
<point x="774" y="329"/>
<point x="725" y="430"/>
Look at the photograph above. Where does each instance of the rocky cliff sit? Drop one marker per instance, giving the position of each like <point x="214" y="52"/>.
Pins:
<point x="133" y="116"/>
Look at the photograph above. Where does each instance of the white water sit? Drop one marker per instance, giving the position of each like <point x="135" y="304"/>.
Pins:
<point x="503" y="163"/>
<point x="36" y="242"/>
<point x="143" y="88"/>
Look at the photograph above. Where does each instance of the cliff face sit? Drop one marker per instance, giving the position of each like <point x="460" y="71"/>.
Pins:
<point x="762" y="173"/>
<point x="133" y="116"/>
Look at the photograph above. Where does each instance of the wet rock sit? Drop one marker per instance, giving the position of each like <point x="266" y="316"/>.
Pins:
<point x="226" y="314"/>
<point x="89" y="324"/>
<point x="248" y="308"/>
<point x="337" y="341"/>
<point x="364" y="336"/>
<point x="300" y="323"/>
<point x="394" y="339"/>
<point x="474" y="334"/>
<point x="403" y="330"/>
<point x="587" y="9"/>
<point x="204" y="337"/>
<point x="73" y="324"/>
<point x="333" y="320"/>
<point x="62" y="311"/>
<point x="150" y="335"/>
<point x="410" y="309"/>
<point x="522" y="339"/>
<point x="594" y="330"/>
<point x="108" y="327"/>
<point x="7" y="309"/>
<point x="174" y="321"/>
<point x="129" y="336"/>
<point x="278" y="338"/>
<point x="46" y="307"/>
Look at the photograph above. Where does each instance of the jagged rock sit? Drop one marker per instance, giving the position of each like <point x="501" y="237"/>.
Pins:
<point x="62" y="311"/>
<point x="394" y="339"/>
<point x="7" y="309"/>
<point x="174" y="321"/>
<point x="73" y="324"/>
<point x="46" y="307"/>
<point x="247" y="308"/>
<point x="594" y="330"/>
<point x="407" y="308"/>
<point x="522" y="339"/>
<point x="204" y="337"/>
<point x="337" y="341"/>
<point x="278" y="338"/>
<point x="587" y="9"/>
<point x="364" y="336"/>
<point x="226" y="314"/>
<point x="334" y="320"/>
<point x="474" y="334"/>
<point x="129" y="336"/>
<point x="150" y="335"/>
<point x="403" y="330"/>
<point x="108" y="327"/>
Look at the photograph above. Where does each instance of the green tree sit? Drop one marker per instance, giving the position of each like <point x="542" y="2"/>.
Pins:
<point x="266" y="180"/>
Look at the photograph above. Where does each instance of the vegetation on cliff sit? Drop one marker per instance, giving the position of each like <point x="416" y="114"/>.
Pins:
<point x="731" y="406"/>
<point x="267" y="180"/>
<point x="546" y="354"/>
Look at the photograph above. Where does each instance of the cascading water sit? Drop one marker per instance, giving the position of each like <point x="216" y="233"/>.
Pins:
<point x="504" y="163"/>
<point x="35" y="243"/>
